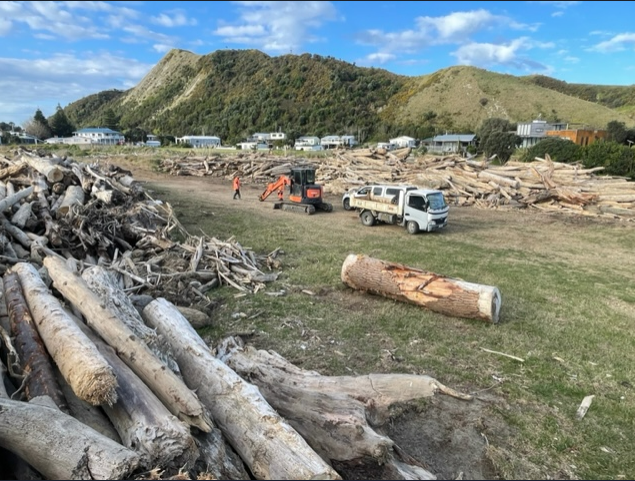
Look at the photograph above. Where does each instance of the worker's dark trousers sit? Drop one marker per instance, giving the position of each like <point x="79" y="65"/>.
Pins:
<point x="237" y="193"/>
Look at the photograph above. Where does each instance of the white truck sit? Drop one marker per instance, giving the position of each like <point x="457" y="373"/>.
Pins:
<point x="408" y="206"/>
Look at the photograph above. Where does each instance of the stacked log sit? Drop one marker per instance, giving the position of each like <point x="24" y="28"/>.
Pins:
<point x="109" y="380"/>
<point x="540" y="185"/>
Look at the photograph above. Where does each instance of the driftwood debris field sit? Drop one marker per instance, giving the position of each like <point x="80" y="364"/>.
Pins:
<point x="103" y="375"/>
<point x="542" y="184"/>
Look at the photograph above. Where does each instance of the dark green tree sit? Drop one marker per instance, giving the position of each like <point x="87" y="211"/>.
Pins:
<point x="491" y="126"/>
<point x="59" y="123"/>
<point x="110" y="120"/>
<point x="560" y="150"/>
<point x="39" y="117"/>
<point x="136" y="135"/>
<point x="502" y="144"/>
<point x="38" y="126"/>
<point x="617" y="159"/>
<point x="617" y="131"/>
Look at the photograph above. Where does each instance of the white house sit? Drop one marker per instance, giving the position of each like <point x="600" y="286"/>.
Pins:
<point x="349" y="140"/>
<point x="152" y="141"/>
<point x="70" y="140"/>
<point x="333" y="141"/>
<point x="277" y="136"/>
<point x="385" y="145"/>
<point x="198" y="141"/>
<point x="403" y="142"/>
<point x="267" y="137"/>
<point x="25" y="138"/>
<point x="308" y="143"/>
<point x="250" y="145"/>
<point x="100" y="135"/>
<point x="535" y="131"/>
<point x="449" y="143"/>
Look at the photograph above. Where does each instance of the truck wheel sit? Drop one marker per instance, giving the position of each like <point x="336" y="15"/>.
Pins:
<point x="347" y="204"/>
<point x="412" y="227"/>
<point x="368" y="219"/>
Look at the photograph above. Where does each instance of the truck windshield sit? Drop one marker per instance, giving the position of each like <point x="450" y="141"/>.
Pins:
<point x="436" y="201"/>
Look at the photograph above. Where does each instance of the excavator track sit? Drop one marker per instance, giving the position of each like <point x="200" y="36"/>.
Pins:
<point x="298" y="208"/>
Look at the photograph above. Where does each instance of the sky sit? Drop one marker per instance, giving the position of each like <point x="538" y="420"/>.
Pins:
<point x="57" y="52"/>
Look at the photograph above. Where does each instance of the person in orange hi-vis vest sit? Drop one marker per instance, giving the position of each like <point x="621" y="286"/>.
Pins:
<point x="236" y="187"/>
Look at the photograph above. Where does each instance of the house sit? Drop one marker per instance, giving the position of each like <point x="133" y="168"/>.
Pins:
<point x="449" y="143"/>
<point x="198" y="141"/>
<point x="251" y="145"/>
<point x="25" y="138"/>
<point x="152" y="141"/>
<point x="533" y="132"/>
<point x="273" y="136"/>
<point x="349" y="140"/>
<point x="76" y="140"/>
<point x="385" y="145"/>
<point x="267" y="137"/>
<point x="582" y="137"/>
<point x="100" y="135"/>
<point x="334" y="141"/>
<point x="308" y="143"/>
<point x="403" y="142"/>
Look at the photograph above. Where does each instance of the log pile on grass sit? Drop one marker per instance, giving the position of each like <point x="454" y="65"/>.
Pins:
<point x="103" y="377"/>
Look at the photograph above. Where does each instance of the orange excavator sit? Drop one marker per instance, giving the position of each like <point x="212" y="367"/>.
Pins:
<point x="305" y="195"/>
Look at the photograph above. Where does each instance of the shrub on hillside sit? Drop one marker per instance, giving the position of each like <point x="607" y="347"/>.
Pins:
<point x="560" y="150"/>
<point x="616" y="159"/>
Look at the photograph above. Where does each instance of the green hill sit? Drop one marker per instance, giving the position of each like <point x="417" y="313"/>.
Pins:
<point x="232" y="93"/>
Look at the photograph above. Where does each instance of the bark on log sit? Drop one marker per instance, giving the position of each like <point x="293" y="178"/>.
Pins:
<point x="34" y="359"/>
<point x="269" y="446"/>
<point x="12" y="170"/>
<point x="452" y="297"/>
<point x="45" y="167"/>
<point x="74" y="196"/>
<point x="335" y="414"/>
<point x="196" y="318"/>
<point x="88" y="414"/>
<point x="218" y="458"/>
<point x="144" y="424"/>
<point x="18" y="234"/>
<point x="79" y="361"/>
<point x="52" y="229"/>
<point x="61" y="447"/>
<point x="7" y="202"/>
<point x="177" y="397"/>
<point x="107" y="288"/>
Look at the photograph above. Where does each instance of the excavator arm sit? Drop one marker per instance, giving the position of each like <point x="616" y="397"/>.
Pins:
<point x="274" y="186"/>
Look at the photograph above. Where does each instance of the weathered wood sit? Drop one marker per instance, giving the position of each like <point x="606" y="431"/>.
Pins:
<point x="48" y="169"/>
<point x="177" y="397"/>
<point x="335" y="414"/>
<point x="196" y="318"/>
<point x="22" y="215"/>
<point x="269" y="446"/>
<point x="142" y="421"/>
<point x="16" y="233"/>
<point x="79" y="361"/>
<point x="52" y="229"/>
<point x="12" y="170"/>
<point x="35" y="361"/>
<point x="9" y="201"/>
<point x="61" y="447"/>
<point x="445" y="295"/>
<point x="74" y="195"/>
<point x="218" y="458"/>
<point x="103" y="283"/>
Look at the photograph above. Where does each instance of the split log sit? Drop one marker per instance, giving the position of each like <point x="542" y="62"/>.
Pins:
<point x="61" y="447"/>
<point x="452" y="297"/>
<point x="79" y="361"/>
<point x="176" y="396"/>
<point x="22" y="215"/>
<point x="35" y="361"/>
<point x="15" y="198"/>
<point x="88" y="414"/>
<point x="74" y="195"/>
<point x="268" y="445"/>
<point x="48" y="169"/>
<point x="12" y="170"/>
<point x="107" y="288"/>
<point x="335" y="414"/>
<point x="142" y="421"/>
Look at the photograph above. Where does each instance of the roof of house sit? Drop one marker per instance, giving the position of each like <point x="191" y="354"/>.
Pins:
<point x="201" y="137"/>
<point x="97" y="130"/>
<point x="403" y="137"/>
<point x="454" y="138"/>
<point x="308" y="137"/>
<point x="331" y="137"/>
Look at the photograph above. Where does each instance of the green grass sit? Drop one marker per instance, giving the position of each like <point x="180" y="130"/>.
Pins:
<point x="568" y="310"/>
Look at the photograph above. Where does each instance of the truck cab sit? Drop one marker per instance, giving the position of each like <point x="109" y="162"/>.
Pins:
<point x="424" y="210"/>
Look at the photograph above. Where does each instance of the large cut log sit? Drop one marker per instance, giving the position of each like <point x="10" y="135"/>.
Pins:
<point x="74" y="196"/>
<point x="48" y="169"/>
<point x="12" y="170"/>
<point x="22" y="215"/>
<point x="335" y="414"/>
<point x="76" y="356"/>
<point x="144" y="424"/>
<point x="103" y="283"/>
<point x="176" y="396"/>
<point x="34" y="359"/>
<point x="17" y="197"/>
<point x="452" y="297"/>
<point x="268" y="445"/>
<point x="61" y="447"/>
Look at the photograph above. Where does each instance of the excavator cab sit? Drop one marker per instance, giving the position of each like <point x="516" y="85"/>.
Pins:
<point x="303" y="189"/>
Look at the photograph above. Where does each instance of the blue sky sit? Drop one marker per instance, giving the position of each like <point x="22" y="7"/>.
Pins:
<point x="57" y="52"/>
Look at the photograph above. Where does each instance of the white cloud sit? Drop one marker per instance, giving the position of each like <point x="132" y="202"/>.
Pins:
<point x="162" y="48"/>
<point x="601" y="33"/>
<point x="5" y="27"/>
<point x="558" y="13"/>
<point x="142" y="32"/>
<point x="571" y="59"/>
<point x="558" y="4"/>
<point x="380" y="58"/>
<point x="455" y="28"/>
<point x="277" y="26"/>
<point x="62" y="78"/>
<point x="489" y="54"/>
<point x="173" y="18"/>
<point x="615" y="44"/>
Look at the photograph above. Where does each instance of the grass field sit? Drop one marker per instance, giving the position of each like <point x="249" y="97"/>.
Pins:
<point x="568" y="311"/>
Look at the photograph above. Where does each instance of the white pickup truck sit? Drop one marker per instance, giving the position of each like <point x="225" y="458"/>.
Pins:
<point x="408" y="206"/>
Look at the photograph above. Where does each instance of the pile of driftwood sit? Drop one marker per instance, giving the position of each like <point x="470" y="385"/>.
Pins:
<point x="542" y="184"/>
<point x="98" y="381"/>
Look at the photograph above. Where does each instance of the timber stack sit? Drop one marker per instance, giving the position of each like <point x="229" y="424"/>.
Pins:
<point x="103" y="375"/>
<point x="541" y="185"/>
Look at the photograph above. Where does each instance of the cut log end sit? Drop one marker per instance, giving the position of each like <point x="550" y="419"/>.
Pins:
<point x="100" y="388"/>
